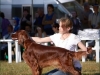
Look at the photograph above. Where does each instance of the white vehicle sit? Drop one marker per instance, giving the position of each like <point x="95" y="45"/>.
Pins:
<point x="13" y="8"/>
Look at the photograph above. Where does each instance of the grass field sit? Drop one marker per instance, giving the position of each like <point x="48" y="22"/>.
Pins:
<point x="89" y="68"/>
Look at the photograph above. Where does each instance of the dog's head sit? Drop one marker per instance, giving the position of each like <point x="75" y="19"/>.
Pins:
<point x="20" y="35"/>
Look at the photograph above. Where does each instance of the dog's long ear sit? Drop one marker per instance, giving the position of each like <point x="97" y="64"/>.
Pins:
<point x="20" y="39"/>
<point x="25" y="35"/>
<point x="22" y="36"/>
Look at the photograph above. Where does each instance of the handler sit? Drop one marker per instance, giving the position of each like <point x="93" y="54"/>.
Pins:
<point x="64" y="39"/>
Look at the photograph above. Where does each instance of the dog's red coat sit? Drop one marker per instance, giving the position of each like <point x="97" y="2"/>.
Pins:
<point x="38" y="56"/>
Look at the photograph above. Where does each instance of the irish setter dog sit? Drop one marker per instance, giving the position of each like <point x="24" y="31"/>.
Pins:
<point x="39" y="56"/>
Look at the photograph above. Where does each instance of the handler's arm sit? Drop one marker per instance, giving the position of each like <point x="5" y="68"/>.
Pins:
<point x="40" y="40"/>
<point x="82" y="46"/>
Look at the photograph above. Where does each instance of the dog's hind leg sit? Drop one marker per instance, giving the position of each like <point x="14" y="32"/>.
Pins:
<point x="72" y="71"/>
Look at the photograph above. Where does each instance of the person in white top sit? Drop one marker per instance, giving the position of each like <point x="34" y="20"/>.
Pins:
<point x="64" y="39"/>
<point x="93" y="22"/>
<point x="40" y="33"/>
<point x="94" y="18"/>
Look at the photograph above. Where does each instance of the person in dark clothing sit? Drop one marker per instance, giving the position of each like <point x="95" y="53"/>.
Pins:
<point x="38" y="21"/>
<point x="28" y="29"/>
<point x="55" y="27"/>
<point x="5" y="24"/>
<point x="87" y="11"/>
<point x="4" y="46"/>
<point x="49" y="19"/>
<point x="76" y="23"/>
<point x="0" y="26"/>
<point x="25" y="20"/>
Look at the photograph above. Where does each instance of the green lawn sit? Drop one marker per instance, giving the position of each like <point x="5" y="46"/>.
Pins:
<point x="89" y="68"/>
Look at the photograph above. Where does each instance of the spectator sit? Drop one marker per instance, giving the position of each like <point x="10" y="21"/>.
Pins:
<point x="49" y="19"/>
<point x="76" y="23"/>
<point x="0" y="31"/>
<point x="40" y="33"/>
<point x="0" y="26"/>
<point x="94" y="22"/>
<point x="16" y="24"/>
<point x="5" y="23"/>
<point x="85" y="16"/>
<point x="4" y="48"/>
<point x="55" y="27"/>
<point x="94" y="18"/>
<point x="25" y="20"/>
<point x="29" y="30"/>
<point x="38" y="21"/>
<point x="36" y="16"/>
<point x="87" y="12"/>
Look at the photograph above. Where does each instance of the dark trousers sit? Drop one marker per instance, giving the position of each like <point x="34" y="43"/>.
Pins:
<point x="5" y="50"/>
<point x="59" y="72"/>
<point x="2" y="53"/>
<point x="22" y="50"/>
<point x="91" y="43"/>
<point x="0" y="35"/>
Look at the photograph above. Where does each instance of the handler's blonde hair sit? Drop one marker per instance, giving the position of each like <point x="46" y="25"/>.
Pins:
<point x="66" y="22"/>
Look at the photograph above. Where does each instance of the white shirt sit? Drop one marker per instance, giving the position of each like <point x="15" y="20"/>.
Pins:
<point x="94" y="19"/>
<point x="69" y="43"/>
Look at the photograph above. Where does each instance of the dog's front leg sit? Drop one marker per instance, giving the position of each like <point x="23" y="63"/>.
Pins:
<point x="32" y="63"/>
<point x="35" y="66"/>
<point x="40" y="71"/>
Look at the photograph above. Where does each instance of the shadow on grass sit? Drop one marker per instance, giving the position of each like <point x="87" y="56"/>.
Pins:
<point x="87" y="74"/>
<point x="97" y="74"/>
<point x="92" y="74"/>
